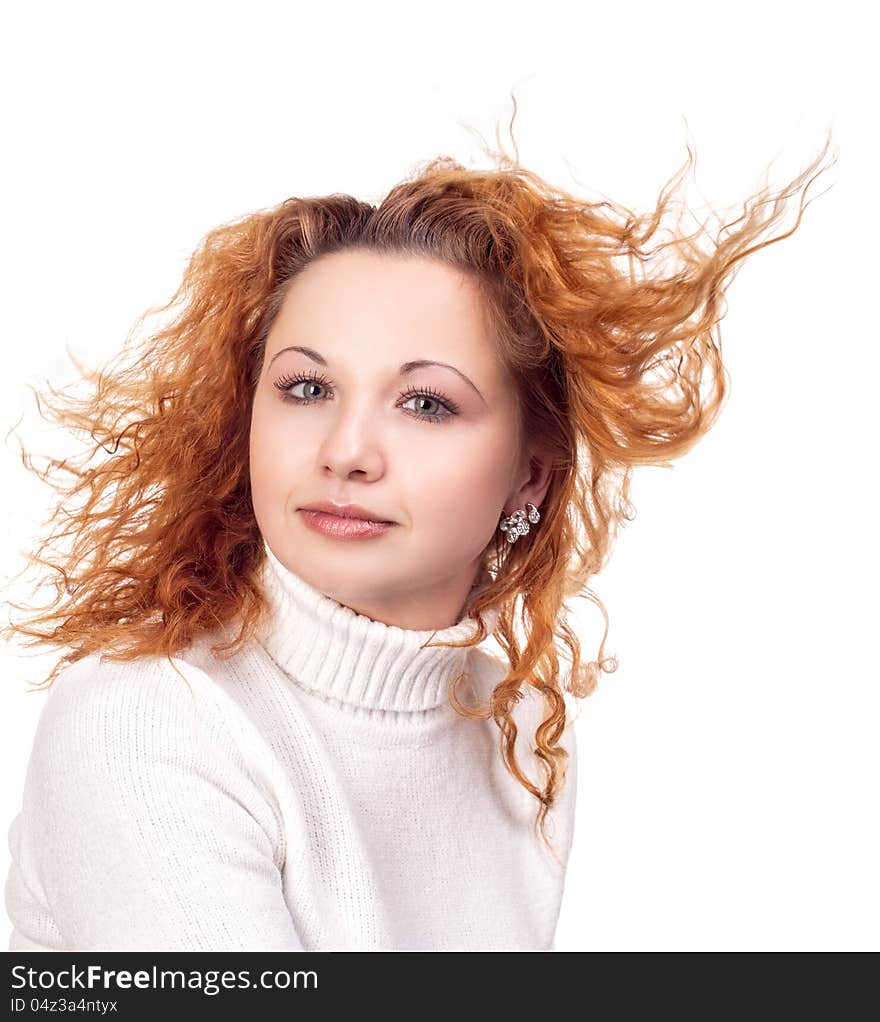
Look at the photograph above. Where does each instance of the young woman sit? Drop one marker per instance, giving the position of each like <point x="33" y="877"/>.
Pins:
<point x="370" y="441"/>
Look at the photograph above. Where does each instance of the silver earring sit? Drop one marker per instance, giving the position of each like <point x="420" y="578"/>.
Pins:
<point x="517" y="524"/>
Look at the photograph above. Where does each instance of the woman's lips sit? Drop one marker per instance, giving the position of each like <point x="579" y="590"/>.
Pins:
<point x="344" y="528"/>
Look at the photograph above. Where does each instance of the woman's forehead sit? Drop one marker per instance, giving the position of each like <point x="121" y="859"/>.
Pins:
<point x="394" y="309"/>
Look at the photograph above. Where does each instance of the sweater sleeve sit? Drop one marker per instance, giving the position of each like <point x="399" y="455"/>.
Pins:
<point x="141" y="826"/>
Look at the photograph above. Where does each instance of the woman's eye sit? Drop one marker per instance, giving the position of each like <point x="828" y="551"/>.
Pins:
<point x="288" y="384"/>
<point x="310" y="385"/>
<point x="431" y="400"/>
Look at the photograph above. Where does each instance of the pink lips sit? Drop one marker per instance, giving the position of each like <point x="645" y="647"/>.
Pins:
<point x="344" y="528"/>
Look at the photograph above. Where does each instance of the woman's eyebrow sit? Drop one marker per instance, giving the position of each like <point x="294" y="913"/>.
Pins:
<point x="407" y="367"/>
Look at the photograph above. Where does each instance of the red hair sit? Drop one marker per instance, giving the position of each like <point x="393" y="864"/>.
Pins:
<point x="614" y="348"/>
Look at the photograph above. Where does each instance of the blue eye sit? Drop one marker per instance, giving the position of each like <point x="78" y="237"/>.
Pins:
<point x="287" y="383"/>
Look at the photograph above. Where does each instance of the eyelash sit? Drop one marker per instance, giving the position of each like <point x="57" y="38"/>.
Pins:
<point x="286" y="383"/>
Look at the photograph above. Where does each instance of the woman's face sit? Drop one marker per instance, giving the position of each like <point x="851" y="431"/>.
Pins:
<point x="439" y="456"/>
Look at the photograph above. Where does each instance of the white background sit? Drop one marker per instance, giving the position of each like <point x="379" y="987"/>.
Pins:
<point x="728" y="770"/>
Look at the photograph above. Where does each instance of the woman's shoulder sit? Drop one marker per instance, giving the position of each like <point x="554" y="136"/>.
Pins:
<point x="140" y="732"/>
<point x="107" y="713"/>
<point x="489" y="669"/>
<point x="99" y="684"/>
<point x="141" y="792"/>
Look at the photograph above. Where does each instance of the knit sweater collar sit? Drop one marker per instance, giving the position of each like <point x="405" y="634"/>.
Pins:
<point x="342" y="655"/>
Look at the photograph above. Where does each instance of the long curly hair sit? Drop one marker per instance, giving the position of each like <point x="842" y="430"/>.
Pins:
<point x="614" y="348"/>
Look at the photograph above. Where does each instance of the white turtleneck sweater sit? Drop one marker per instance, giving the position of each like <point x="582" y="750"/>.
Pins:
<point x="316" y="791"/>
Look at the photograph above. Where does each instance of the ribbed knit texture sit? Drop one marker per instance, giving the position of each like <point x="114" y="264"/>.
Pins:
<point x="315" y="791"/>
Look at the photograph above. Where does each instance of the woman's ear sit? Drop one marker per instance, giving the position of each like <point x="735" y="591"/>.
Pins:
<point x="533" y="489"/>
